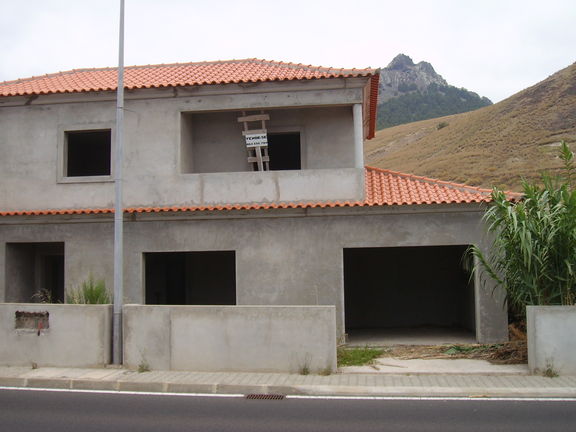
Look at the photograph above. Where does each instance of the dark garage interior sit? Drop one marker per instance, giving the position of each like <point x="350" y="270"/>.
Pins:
<point x="190" y="278"/>
<point x="410" y="290"/>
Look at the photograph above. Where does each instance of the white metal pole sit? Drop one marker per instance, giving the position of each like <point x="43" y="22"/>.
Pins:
<point x="118" y="204"/>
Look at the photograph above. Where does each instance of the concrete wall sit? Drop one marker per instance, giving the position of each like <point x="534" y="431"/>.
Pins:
<point x="78" y="336"/>
<point x="284" y="257"/>
<point x="156" y="163"/>
<point x="551" y="341"/>
<point x="231" y="338"/>
<point x="299" y="260"/>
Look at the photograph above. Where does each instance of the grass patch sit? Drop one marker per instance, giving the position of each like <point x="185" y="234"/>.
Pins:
<point x="469" y="349"/>
<point x="358" y="356"/>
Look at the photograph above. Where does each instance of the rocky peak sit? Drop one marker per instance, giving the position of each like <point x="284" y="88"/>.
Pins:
<point x="402" y="76"/>
<point x="400" y="62"/>
<point x="426" y="68"/>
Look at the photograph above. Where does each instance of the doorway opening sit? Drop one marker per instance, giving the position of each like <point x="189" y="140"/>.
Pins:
<point x="190" y="278"/>
<point x="410" y="295"/>
<point x="284" y="151"/>
<point x="35" y="272"/>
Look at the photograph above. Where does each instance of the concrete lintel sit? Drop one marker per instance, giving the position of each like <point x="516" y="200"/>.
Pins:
<point x="187" y="91"/>
<point x="243" y="214"/>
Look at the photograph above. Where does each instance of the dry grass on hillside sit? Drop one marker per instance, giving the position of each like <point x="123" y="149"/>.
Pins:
<point x="495" y="145"/>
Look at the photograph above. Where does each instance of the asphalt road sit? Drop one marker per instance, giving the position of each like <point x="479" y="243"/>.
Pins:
<point x="46" y="411"/>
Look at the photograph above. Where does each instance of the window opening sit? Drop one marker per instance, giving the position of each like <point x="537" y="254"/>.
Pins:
<point x="88" y="153"/>
<point x="190" y="278"/>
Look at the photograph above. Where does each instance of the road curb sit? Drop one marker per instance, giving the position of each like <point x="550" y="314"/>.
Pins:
<point x="292" y="390"/>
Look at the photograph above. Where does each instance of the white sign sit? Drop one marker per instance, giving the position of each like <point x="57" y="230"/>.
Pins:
<point x="256" y="140"/>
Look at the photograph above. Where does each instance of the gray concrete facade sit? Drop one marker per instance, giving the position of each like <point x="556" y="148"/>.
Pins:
<point x="293" y="339"/>
<point x="184" y="147"/>
<point x="178" y="142"/>
<point x="283" y="257"/>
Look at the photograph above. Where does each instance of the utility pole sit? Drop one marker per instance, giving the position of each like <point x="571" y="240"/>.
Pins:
<point x="118" y="204"/>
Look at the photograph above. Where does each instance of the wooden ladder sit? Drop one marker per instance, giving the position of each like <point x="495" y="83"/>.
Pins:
<point x="257" y="149"/>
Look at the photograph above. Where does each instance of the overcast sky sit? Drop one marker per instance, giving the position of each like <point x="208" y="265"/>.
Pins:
<point x="493" y="47"/>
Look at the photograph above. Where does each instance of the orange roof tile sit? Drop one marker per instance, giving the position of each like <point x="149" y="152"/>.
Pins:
<point x="386" y="187"/>
<point x="173" y="75"/>
<point x="186" y="74"/>
<point x="382" y="188"/>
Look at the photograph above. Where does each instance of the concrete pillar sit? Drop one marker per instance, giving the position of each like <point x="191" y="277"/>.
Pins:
<point x="358" y="136"/>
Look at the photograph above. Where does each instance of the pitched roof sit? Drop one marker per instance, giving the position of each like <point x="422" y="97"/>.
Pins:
<point x="187" y="74"/>
<point x="173" y="75"/>
<point x="382" y="188"/>
<point x="386" y="187"/>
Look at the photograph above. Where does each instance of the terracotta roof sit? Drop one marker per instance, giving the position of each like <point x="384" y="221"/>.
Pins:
<point x="187" y="74"/>
<point x="386" y="187"/>
<point x="382" y="188"/>
<point x="174" y="75"/>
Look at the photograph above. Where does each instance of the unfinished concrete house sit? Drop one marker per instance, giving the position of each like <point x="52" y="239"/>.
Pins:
<point x="244" y="184"/>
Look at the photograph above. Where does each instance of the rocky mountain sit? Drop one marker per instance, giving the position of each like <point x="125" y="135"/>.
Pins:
<point x="496" y="145"/>
<point x="402" y="76"/>
<point x="409" y="92"/>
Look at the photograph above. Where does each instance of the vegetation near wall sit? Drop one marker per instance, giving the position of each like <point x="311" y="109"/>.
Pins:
<point x="90" y="292"/>
<point x="533" y="255"/>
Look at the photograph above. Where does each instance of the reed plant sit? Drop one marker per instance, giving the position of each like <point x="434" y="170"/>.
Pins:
<point x="90" y="292"/>
<point x="533" y="253"/>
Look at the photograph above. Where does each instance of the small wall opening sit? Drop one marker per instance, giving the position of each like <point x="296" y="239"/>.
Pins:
<point x="32" y="320"/>
<point x="284" y="151"/>
<point x="190" y="278"/>
<point x="35" y="272"/>
<point x="88" y="153"/>
<point x="411" y="289"/>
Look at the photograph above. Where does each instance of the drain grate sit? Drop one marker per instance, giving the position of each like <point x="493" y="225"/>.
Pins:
<point x="265" y="396"/>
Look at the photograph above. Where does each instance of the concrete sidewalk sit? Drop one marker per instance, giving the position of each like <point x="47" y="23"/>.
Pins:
<point x="340" y="384"/>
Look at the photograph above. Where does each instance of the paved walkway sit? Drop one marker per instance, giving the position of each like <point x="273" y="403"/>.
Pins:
<point x="340" y="384"/>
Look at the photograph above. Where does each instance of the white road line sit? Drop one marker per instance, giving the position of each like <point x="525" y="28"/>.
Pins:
<point x="116" y="392"/>
<point x="432" y="398"/>
<point x="238" y="395"/>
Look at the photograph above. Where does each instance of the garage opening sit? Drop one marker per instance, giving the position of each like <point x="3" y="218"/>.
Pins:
<point x="412" y="295"/>
<point x="190" y="278"/>
<point x="35" y="272"/>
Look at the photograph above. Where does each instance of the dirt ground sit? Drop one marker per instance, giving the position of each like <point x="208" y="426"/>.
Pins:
<point x="513" y="352"/>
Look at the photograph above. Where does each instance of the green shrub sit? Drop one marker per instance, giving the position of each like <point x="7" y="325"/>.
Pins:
<point x="91" y="292"/>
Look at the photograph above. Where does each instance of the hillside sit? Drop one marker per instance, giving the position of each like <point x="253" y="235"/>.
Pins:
<point x="497" y="144"/>
<point x="409" y="92"/>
